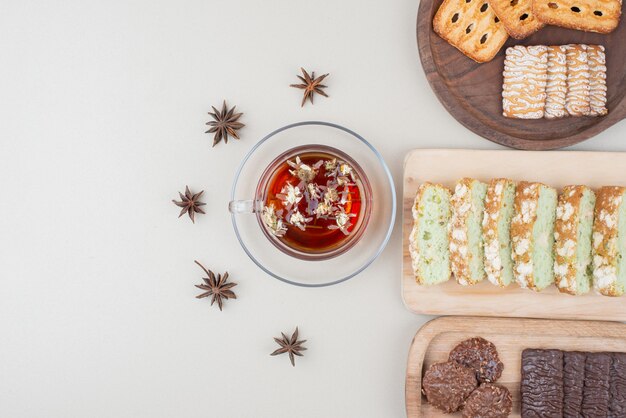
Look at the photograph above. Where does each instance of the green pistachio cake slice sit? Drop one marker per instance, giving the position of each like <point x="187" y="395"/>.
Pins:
<point x="572" y="234"/>
<point x="609" y="241"/>
<point x="496" y="231"/>
<point x="532" y="235"/>
<point x="465" y="232"/>
<point x="428" y="242"/>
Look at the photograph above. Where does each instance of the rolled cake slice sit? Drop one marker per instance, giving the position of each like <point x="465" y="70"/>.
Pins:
<point x="532" y="235"/>
<point x="572" y="234"/>
<point x="497" y="229"/>
<point x="428" y="242"/>
<point x="609" y="241"/>
<point x="465" y="232"/>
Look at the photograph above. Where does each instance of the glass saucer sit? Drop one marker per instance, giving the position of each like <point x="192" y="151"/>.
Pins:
<point x="316" y="273"/>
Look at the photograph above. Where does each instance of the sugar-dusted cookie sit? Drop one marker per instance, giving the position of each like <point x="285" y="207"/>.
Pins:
<point x="525" y="78"/>
<point x="517" y="16"/>
<point x="597" y="80"/>
<point x="588" y="15"/>
<point x="556" y="87"/>
<point x="472" y="27"/>
<point x="577" y="100"/>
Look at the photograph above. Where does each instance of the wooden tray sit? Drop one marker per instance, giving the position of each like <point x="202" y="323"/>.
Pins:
<point x="472" y="92"/>
<point x="433" y="342"/>
<point x="557" y="169"/>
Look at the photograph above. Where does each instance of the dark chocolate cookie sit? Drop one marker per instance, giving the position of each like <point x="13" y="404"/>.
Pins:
<point x="488" y="401"/>
<point x="617" y="389"/>
<point x="596" y="390"/>
<point x="573" y="383"/>
<point x="542" y="383"/>
<point x="447" y="385"/>
<point x="481" y="356"/>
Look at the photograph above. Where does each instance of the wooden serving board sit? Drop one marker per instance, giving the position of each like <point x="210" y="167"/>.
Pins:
<point x="472" y="92"/>
<point x="558" y="168"/>
<point x="433" y="342"/>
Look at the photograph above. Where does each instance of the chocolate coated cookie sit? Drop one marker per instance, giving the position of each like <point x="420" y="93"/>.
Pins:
<point x="447" y="385"/>
<point x="488" y="401"/>
<point x="479" y="355"/>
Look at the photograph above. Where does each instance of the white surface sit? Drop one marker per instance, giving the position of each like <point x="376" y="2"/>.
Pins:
<point x="102" y="114"/>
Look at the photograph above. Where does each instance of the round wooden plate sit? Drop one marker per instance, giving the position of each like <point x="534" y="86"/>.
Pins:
<point x="472" y="92"/>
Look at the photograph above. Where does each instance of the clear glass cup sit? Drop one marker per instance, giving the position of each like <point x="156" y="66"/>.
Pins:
<point x="304" y="268"/>
<point x="256" y="205"/>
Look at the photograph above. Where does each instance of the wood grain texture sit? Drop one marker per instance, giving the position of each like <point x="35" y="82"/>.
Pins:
<point x="471" y="92"/>
<point x="558" y="169"/>
<point x="434" y="340"/>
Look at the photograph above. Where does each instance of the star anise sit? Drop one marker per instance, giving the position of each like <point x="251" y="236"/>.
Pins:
<point x="189" y="204"/>
<point x="225" y="123"/>
<point x="292" y="345"/>
<point x="216" y="287"/>
<point x="310" y="85"/>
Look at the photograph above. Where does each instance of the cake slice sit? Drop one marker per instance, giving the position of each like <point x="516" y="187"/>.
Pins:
<point x="465" y="233"/>
<point x="496" y="231"/>
<point x="428" y="242"/>
<point x="532" y="235"/>
<point x="609" y="241"/>
<point x="572" y="234"/>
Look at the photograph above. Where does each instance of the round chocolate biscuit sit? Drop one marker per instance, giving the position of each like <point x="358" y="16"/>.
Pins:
<point x="481" y="356"/>
<point x="447" y="385"/>
<point x="488" y="401"/>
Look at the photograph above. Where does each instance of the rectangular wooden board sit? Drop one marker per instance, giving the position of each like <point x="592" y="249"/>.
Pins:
<point x="555" y="168"/>
<point x="434" y="340"/>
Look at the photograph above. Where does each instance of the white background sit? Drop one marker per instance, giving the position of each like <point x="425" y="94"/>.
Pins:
<point x="102" y="112"/>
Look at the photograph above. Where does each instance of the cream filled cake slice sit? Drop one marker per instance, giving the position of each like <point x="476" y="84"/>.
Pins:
<point x="428" y="242"/>
<point x="496" y="227"/>
<point x="532" y="235"/>
<point x="609" y="241"/>
<point x="465" y="232"/>
<point x="572" y="234"/>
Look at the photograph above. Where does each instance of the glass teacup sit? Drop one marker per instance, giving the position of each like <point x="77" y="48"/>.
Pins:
<point x="312" y="202"/>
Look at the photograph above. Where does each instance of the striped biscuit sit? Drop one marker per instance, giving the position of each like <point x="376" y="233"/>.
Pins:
<point x="572" y="233"/>
<point x="496" y="231"/>
<point x="577" y="99"/>
<point x="609" y="241"/>
<point x="556" y="88"/>
<point x="597" y="80"/>
<point x="525" y="78"/>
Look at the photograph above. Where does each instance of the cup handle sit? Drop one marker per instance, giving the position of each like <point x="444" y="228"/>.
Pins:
<point x="244" y="206"/>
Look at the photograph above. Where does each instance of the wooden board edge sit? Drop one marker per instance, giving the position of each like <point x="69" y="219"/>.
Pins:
<point x="436" y="326"/>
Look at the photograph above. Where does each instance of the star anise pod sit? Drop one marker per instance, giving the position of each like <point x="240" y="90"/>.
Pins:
<point x="225" y="123"/>
<point x="310" y="85"/>
<point x="189" y="204"/>
<point x="216" y="287"/>
<point x="292" y="345"/>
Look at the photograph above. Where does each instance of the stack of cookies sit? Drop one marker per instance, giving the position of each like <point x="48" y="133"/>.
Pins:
<point x="554" y="81"/>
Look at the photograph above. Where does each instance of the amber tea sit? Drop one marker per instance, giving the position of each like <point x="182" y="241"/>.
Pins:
<point x="315" y="201"/>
